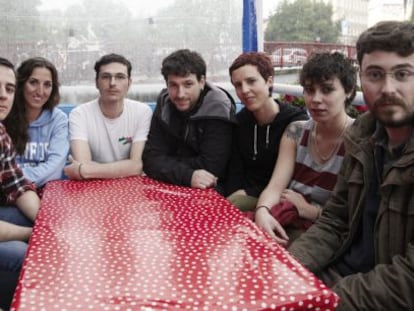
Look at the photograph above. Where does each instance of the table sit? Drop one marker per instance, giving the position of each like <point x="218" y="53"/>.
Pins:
<point x="138" y="244"/>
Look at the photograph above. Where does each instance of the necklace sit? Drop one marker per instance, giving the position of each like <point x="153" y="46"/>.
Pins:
<point x="334" y="149"/>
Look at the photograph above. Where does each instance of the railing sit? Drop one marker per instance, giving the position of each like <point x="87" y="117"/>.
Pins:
<point x="74" y="95"/>
<point x="297" y="90"/>
<point x="288" y="54"/>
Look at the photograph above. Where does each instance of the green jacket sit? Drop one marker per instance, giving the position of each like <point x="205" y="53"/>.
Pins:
<point x="390" y="285"/>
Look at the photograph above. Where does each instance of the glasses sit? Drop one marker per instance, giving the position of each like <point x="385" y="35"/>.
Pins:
<point x="378" y="75"/>
<point x="119" y="77"/>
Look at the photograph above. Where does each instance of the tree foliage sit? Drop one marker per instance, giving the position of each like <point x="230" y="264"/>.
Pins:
<point x="303" y="20"/>
<point x="99" y="18"/>
<point x="17" y="19"/>
<point x="149" y="39"/>
<point x="74" y="38"/>
<point x="20" y="23"/>
<point x="199" y="25"/>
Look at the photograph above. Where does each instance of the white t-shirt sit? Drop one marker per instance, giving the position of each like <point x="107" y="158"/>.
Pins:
<point x="110" y="140"/>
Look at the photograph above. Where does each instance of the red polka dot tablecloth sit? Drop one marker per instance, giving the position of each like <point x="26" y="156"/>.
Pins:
<point x="138" y="244"/>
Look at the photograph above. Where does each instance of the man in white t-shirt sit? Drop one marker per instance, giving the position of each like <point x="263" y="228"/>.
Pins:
<point x="108" y="134"/>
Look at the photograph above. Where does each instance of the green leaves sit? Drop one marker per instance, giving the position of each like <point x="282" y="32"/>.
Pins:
<point x="303" y="20"/>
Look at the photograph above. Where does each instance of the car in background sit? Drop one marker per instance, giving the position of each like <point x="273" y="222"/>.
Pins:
<point x="287" y="57"/>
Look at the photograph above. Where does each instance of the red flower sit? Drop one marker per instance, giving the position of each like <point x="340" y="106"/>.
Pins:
<point x="361" y="108"/>
<point x="289" y="98"/>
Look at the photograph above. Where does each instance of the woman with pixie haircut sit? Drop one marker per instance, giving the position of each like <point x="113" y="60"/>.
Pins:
<point x="260" y="125"/>
<point x="311" y="152"/>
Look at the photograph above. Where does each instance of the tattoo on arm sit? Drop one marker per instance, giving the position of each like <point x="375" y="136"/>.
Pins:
<point x="294" y="131"/>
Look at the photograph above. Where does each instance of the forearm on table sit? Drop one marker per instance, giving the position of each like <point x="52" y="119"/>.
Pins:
<point x="45" y="171"/>
<point x="123" y="168"/>
<point x="169" y="169"/>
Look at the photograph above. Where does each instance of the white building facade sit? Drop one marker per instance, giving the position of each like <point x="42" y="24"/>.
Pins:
<point x="357" y="15"/>
<point x="388" y="10"/>
<point x="353" y="15"/>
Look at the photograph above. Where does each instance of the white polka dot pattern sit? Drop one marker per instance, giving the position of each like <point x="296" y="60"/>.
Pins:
<point x="138" y="244"/>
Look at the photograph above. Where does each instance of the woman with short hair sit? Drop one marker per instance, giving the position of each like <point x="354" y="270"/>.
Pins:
<point x="311" y="152"/>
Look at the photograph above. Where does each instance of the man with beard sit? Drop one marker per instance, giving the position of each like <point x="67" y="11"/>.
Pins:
<point x="363" y="244"/>
<point x="189" y="142"/>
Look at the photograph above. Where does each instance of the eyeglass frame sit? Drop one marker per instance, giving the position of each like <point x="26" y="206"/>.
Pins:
<point x="107" y="77"/>
<point x="382" y="74"/>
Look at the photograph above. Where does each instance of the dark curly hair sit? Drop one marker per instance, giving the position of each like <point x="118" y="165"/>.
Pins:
<point x="183" y="62"/>
<point x="321" y="67"/>
<point x="259" y="59"/>
<point x="390" y="36"/>
<point x="16" y="122"/>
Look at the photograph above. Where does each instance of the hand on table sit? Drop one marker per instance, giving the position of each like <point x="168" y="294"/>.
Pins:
<point x="73" y="170"/>
<point x="269" y="224"/>
<point x="203" y="179"/>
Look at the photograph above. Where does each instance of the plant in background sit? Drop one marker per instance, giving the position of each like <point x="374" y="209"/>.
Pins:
<point x="352" y="110"/>
<point x="293" y="100"/>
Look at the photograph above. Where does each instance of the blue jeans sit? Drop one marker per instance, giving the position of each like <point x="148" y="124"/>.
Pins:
<point x="12" y="252"/>
<point x="8" y="282"/>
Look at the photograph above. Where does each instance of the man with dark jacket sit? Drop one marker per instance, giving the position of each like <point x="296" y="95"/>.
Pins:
<point x="189" y="142"/>
<point x="363" y="244"/>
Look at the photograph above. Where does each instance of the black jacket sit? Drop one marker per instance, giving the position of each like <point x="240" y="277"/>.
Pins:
<point x="255" y="151"/>
<point x="181" y="142"/>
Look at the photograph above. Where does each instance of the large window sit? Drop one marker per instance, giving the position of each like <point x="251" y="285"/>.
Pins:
<point x="74" y="36"/>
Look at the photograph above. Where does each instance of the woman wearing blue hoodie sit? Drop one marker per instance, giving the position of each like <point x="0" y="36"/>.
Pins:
<point x="38" y="129"/>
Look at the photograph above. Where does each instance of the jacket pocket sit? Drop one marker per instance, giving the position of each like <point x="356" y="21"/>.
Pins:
<point x="397" y="219"/>
<point x="355" y="185"/>
<point x="401" y="200"/>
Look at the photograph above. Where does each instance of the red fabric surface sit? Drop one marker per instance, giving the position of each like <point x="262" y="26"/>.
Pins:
<point x="287" y="215"/>
<point x="137" y="244"/>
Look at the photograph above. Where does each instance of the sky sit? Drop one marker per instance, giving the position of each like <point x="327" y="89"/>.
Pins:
<point x="269" y="7"/>
<point x="145" y="7"/>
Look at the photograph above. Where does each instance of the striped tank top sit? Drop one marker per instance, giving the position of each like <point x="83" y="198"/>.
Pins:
<point x="313" y="180"/>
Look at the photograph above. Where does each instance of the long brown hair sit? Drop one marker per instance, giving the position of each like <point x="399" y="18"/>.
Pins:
<point x="16" y="122"/>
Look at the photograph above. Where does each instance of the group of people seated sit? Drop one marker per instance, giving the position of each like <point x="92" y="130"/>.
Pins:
<point x="337" y="192"/>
